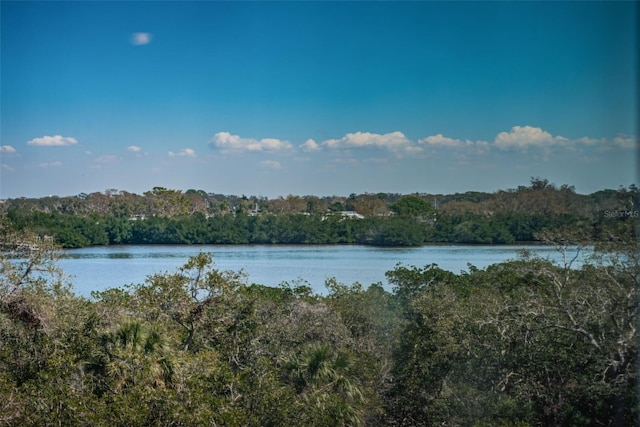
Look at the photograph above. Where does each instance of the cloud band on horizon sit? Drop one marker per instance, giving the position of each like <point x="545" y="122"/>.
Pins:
<point x="519" y="138"/>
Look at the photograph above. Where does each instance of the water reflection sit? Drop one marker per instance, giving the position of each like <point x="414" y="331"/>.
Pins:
<point x="120" y="255"/>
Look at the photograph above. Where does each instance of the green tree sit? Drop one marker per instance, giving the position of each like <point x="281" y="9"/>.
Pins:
<point x="325" y="387"/>
<point x="133" y="355"/>
<point x="168" y="202"/>
<point x="524" y="341"/>
<point x="412" y="206"/>
<point x="185" y="296"/>
<point x="432" y="343"/>
<point x="373" y="319"/>
<point x="44" y="333"/>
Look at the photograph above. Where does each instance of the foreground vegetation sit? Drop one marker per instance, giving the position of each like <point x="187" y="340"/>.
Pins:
<point x="164" y="216"/>
<point x="521" y="343"/>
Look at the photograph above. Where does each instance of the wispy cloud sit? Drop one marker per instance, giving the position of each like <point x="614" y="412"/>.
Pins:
<point x="50" y="164"/>
<point x="344" y="160"/>
<point x="440" y="140"/>
<point x="7" y="168"/>
<point x="228" y="143"/>
<point x="274" y="164"/>
<point x="105" y="161"/>
<point x="462" y="147"/>
<point x="140" y="39"/>
<point x="53" y="141"/>
<point x="134" y="149"/>
<point x="7" y="149"/>
<point x="187" y="152"/>
<point x="107" y="158"/>
<point x="625" y="141"/>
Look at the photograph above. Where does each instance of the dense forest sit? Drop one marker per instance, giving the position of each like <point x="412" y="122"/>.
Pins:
<point x="520" y="343"/>
<point x="165" y="216"/>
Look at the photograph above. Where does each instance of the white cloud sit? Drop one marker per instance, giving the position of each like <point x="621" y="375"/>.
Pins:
<point x="187" y="152"/>
<point x="271" y="164"/>
<point x="624" y="141"/>
<point x="134" y="149"/>
<point x="442" y="141"/>
<point x="395" y="142"/>
<point x="619" y="141"/>
<point x="7" y="149"/>
<point x="462" y="148"/>
<point x="526" y="136"/>
<point x="310" y="145"/>
<point x="521" y="138"/>
<point x="50" y="164"/>
<point x="50" y="141"/>
<point x="139" y="39"/>
<point x="483" y="146"/>
<point x="413" y="149"/>
<point x="589" y="141"/>
<point x="228" y="143"/>
<point x="7" y="168"/>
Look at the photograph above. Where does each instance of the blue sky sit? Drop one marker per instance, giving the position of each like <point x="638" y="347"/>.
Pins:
<point x="323" y="98"/>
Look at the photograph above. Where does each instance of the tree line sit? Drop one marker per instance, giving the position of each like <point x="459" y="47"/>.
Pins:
<point x="164" y="216"/>
<point x="520" y="343"/>
<point x="75" y="231"/>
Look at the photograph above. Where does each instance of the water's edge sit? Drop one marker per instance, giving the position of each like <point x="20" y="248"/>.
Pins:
<point x="101" y="267"/>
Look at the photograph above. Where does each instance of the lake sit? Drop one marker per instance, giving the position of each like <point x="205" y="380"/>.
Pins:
<point x="101" y="267"/>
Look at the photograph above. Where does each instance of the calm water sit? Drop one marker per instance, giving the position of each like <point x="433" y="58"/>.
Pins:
<point x="98" y="268"/>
